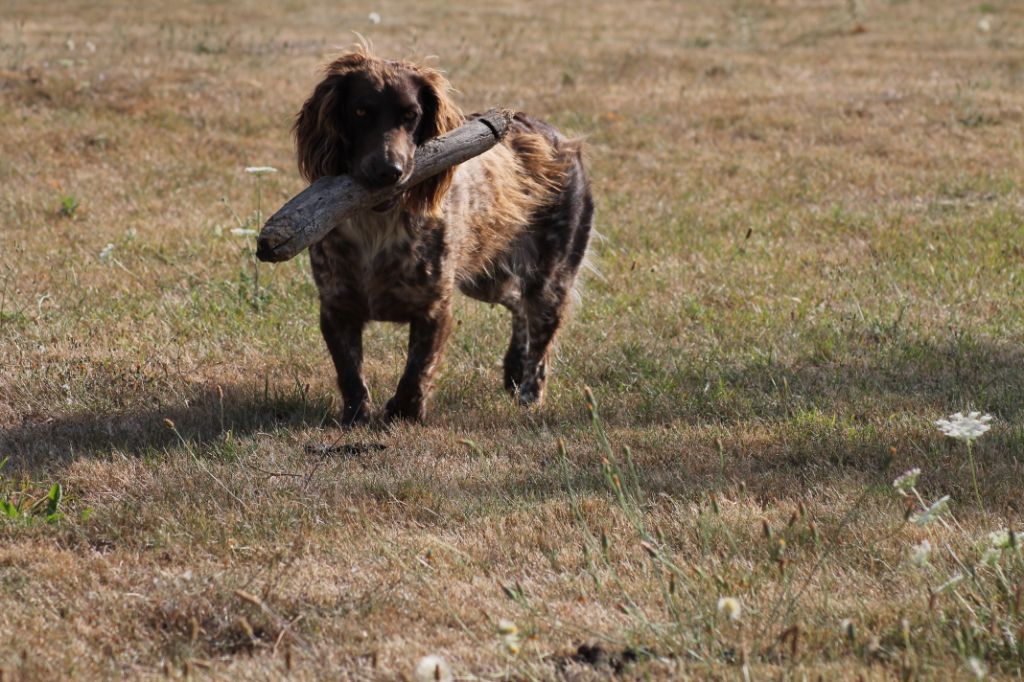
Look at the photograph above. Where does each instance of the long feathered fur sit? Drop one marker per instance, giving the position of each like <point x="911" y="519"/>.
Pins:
<point x="510" y="226"/>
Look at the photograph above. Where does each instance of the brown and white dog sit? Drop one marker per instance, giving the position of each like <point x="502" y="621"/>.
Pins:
<point x="510" y="226"/>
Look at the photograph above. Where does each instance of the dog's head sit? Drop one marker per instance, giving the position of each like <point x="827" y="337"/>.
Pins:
<point x="367" y="117"/>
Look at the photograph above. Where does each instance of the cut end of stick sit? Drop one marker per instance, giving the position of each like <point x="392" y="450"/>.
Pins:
<point x="269" y="245"/>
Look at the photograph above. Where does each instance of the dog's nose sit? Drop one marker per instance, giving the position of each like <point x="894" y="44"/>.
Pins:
<point x="387" y="173"/>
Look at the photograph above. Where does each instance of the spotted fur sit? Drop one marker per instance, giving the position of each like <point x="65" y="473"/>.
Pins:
<point x="510" y="226"/>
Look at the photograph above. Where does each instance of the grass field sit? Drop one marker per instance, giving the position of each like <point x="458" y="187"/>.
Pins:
<point x="813" y="240"/>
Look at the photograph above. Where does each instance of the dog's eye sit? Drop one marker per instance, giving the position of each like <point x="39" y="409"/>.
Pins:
<point x="411" y="114"/>
<point x="360" y="112"/>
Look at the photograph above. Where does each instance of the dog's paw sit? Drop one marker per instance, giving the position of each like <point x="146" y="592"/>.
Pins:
<point x="531" y="390"/>
<point x="530" y="394"/>
<point x="513" y="373"/>
<point x="528" y="398"/>
<point x="356" y="416"/>
<point x="406" y="410"/>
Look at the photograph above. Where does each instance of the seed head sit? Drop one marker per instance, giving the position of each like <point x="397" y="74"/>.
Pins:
<point x="731" y="608"/>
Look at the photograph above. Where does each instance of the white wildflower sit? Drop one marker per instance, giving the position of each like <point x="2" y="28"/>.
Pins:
<point x="990" y="557"/>
<point x="977" y="667"/>
<point x="965" y="427"/>
<point x="906" y="480"/>
<point x="260" y="170"/>
<point x="933" y="512"/>
<point x="509" y="634"/>
<point x="920" y="554"/>
<point x="107" y="252"/>
<point x="374" y="18"/>
<point x="730" y="607"/>
<point x="1001" y="539"/>
<point x="89" y="46"/>
<point x="433" y="669"/>
<point x="243" y="232"/>
<point x="70" y="44"/>
<point x="985" y="24"/>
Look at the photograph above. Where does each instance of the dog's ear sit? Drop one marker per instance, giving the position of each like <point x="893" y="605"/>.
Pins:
<point x="320" y="140"/>
<point x="440" y="115"/>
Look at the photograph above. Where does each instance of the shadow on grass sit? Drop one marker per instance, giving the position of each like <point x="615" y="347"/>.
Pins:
<point x="843" y="414"/>
<point x="927" y="378"/>
<point x="210" y="412"/>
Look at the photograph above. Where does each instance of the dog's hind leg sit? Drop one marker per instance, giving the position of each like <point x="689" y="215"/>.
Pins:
<point x="518" y="348"/>
<point x="544" y="312"/>
<point x="564" y="232"/>
<point x="344" y="338"/>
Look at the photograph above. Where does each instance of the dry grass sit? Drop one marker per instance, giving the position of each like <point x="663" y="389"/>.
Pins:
<point x="813" y="249"/>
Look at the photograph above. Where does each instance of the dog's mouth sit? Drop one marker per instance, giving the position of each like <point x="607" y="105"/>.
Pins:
<point x="385" y="206"/>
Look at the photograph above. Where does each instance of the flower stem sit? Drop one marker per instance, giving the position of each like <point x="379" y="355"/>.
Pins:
<point x="255" y="261"/>
<point x="974" y="476"/>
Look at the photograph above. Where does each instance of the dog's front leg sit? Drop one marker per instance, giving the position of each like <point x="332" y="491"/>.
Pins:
<point x="427" y="336"/>
<point x="344" y="337"/>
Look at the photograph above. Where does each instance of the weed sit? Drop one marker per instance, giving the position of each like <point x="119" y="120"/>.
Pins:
<point x="25" y="503"/>
<point x="69" y="206"/>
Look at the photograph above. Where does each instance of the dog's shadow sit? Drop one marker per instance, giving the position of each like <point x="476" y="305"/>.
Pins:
<point x="209" y="413"/>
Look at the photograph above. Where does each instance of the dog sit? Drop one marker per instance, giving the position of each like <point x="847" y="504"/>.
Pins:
<point x="510" y="226"/>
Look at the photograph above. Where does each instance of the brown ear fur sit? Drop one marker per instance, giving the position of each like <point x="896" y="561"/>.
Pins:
<point x="319" y="138"/>
<point x="440" y="115"/>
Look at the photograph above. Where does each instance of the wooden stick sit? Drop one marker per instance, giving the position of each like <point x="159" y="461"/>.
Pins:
<point x="318" y="209"/>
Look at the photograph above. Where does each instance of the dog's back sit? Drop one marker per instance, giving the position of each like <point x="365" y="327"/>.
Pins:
<point x="522" y="204"/>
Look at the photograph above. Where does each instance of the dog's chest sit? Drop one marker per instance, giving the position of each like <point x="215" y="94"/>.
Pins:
<point x="379" y="266"/>
<point x="372" y="235"/>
